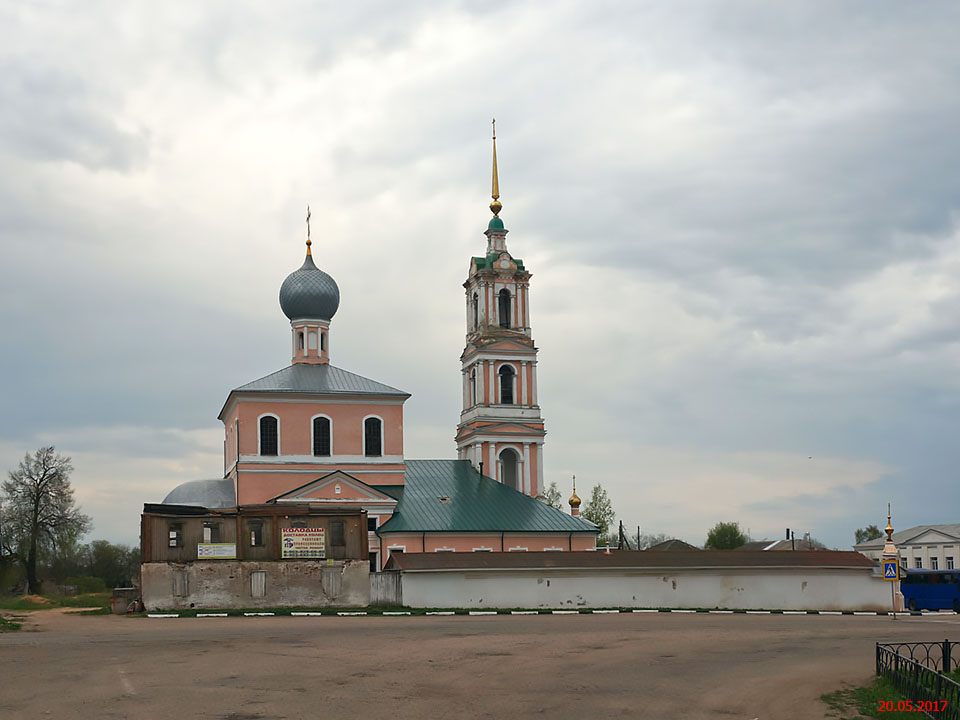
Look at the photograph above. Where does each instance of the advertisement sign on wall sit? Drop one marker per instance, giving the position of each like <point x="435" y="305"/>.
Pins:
<point x="216" y="551"/>
<point x="302" y="543"/>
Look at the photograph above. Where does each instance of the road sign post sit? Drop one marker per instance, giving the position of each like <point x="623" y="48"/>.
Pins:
<point x="890" y="564"/>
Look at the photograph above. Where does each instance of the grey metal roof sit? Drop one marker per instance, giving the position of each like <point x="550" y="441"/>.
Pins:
<point x="309" y="293"/>
<point x="904" y="536"/>
<point x="316" y="380"/>
<point x="451" y="496"/>
<point x="204" y="493"/>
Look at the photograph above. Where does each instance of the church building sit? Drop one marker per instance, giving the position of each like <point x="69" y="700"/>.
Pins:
<point x="316" y="435"/>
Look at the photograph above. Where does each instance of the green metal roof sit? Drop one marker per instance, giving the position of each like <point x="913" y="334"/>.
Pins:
<point x="495" y="224"/>
<point x="486" y="263"/>
<point x="450" y="495"/>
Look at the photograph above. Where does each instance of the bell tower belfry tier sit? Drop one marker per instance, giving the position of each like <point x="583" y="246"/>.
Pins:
<point x="500" y="432"/>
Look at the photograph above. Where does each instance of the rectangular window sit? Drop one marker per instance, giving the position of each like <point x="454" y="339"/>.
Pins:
<point x="934" y="563"/>
<point x="372" y="523"/>
<point x="374" y="563"/>
<point x="180" y="588"/>
<point x="918" y="563"/>
<point x="256" y="533"/>
<point x="258" y="583"/>
<point x="337" y="537"/>
<point x="950" y="562"/>
<point x="175" y="534"/>
<point x="211" y="532"/>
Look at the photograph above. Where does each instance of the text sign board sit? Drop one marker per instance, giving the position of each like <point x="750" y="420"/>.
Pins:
<point x="303" y="543"/>
<point x="891" y="570"/>
<point x="216" y="551"/>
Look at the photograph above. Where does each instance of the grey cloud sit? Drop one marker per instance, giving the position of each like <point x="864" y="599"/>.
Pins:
<point x="51" y="114"/>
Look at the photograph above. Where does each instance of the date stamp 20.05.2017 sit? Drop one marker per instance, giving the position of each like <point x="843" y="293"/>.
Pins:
<point x="912" y="705"/>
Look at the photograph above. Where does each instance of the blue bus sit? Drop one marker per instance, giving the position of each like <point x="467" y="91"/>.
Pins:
<point x="931" y="590"/>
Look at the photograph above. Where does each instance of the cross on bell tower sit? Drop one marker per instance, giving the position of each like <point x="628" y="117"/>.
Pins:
<point x="500" y="425"/>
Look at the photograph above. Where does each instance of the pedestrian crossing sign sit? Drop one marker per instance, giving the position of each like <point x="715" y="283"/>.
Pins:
<point x="891" y="570"/>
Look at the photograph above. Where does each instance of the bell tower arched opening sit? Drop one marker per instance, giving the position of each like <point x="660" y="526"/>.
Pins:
<point x="503" y="301"/>
<point x="510" y="468"/>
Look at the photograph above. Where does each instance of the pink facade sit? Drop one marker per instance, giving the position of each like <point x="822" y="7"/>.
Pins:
<point x="262" y="477"/>
<point x="318" y="434"/>
<point x="501" y="431"/>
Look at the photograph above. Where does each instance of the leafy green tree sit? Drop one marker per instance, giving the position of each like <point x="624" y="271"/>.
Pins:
<point x="39" y="513"/>
<point x="725" y="536"/>
<point x="552" y="496"/>
<point x="116" y="565"/>
<point x="599" y="510"/>
<point x="870" y="532"/>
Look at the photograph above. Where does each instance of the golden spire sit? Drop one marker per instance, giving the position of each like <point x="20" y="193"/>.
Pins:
<point x="495" y="206"/>
<point x="574" y="499"/>
<point x="308" y="232"/>
<point x="889" y="529"/>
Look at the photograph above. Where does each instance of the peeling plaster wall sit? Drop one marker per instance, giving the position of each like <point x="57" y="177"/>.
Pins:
<point x="228" y="584"/>
<point x="767" y="589"/>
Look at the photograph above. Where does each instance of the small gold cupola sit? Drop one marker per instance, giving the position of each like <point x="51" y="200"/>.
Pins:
<point x="574" y="499"/>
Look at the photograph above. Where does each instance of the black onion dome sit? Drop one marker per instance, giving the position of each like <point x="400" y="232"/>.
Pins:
<point x="309" y="293"/>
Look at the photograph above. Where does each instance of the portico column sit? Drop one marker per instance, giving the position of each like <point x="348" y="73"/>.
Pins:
<point x="526" y="468"/>
<point x="523" y="384"/>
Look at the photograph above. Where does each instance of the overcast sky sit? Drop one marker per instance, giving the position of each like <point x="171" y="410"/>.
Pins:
<point x="741" y="219"/>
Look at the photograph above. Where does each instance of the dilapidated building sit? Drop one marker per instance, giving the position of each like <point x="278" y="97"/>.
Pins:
<point x="255" y="556"/>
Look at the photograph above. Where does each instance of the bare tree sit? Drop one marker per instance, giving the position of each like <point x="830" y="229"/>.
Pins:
<point x="646" y="540"/>
<point x="39" y="513"/>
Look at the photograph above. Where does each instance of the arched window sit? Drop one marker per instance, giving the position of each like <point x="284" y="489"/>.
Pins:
<point x="269" y="435"/>
<point x="504" y="302"/>
<point x="506" y="384"/>
<point x="323" y="342"/>
<point x="321" y="436"/>
<point x="473" y="386"/>
<point x="372" y="437"/>
<point x="510" y="468"/>
<point x="476" y="311"/>
<point x="300" y="341"/>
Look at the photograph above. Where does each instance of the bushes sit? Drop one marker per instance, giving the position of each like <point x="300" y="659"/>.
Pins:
<point x="86" y="584"/>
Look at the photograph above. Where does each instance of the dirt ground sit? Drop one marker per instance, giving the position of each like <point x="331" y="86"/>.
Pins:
<point x="569" y="666"/>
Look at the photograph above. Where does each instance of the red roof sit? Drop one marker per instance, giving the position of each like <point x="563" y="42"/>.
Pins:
<point x="627" y="559"/>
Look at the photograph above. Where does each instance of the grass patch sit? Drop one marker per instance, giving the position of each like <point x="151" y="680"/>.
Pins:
<point x="9" y="624"/>
<point x="864" y="702"/>
<point x="49" y="602"/>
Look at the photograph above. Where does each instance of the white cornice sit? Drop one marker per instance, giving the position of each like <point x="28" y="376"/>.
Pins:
<point x="322" y="460"/>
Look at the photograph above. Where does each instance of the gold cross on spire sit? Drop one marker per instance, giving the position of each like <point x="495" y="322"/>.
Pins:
<point x="495" y="206"/>
<point x="309" y="243"/>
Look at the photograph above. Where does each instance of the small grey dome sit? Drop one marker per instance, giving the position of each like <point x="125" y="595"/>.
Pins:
<point x="309" y="293"/>
<point x="204" y="493"/>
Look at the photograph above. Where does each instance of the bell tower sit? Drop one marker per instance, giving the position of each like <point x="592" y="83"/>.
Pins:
<point x="500" y="431"/>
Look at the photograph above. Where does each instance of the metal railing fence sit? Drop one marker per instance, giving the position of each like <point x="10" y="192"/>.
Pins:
<point x="918" y="675"/>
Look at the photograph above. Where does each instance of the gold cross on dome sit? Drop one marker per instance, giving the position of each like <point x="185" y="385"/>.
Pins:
<point x="309" y="243"/>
